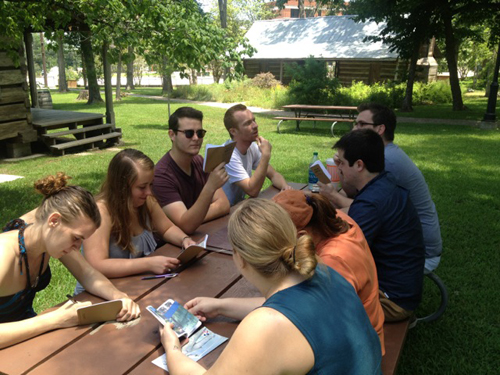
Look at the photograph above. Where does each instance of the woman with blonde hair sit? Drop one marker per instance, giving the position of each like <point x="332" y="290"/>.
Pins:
<point x="340" y="244"/>
<point x="130" y="214"/>
<point x="66" y="216"/>
<point x="309" y="321"/>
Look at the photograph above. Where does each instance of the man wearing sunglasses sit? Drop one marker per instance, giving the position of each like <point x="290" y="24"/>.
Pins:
<point x="252" y="153"/>
<point x="188" y="195"/>
<point x="382" y="120"/>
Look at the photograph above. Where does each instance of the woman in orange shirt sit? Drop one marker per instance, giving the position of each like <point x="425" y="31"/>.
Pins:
<point x="340" y="244"/>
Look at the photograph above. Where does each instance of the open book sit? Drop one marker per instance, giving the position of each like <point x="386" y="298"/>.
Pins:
<point x="200" y="343"/>
<point x="216" y="154"/>
<point x="192" y="251"/>
<point x="320" y="171"/>
<point x="99" y="312"/>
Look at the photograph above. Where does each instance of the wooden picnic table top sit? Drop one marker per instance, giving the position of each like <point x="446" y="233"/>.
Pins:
<point x="320" y="107"/>
<point x="130" y="347"/>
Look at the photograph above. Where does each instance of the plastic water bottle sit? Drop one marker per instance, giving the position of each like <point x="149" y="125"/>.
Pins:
<point x="313" y="180"/>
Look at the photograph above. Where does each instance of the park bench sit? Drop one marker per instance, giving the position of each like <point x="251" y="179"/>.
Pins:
<point x="319" y="117"/>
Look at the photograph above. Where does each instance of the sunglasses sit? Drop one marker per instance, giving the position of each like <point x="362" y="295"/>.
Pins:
<point x="200" y="133"/>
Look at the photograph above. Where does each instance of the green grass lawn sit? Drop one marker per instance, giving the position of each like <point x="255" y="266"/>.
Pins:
<point x="460" y="164"/>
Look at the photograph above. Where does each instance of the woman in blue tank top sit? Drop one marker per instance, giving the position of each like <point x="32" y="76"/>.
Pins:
<point x="310" y="320"/>
<point x="67" y="215"/>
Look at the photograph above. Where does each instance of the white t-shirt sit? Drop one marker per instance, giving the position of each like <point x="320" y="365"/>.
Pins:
<point x="240" y="168"/>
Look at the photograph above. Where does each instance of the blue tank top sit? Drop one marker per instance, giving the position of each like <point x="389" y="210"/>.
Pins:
<point x="19" y="306"/>
<point x="331" y="317"/>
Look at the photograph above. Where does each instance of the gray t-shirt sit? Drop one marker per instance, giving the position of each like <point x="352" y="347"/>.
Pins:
<point x="240" y="168"/>
<point x="407" y="175"/>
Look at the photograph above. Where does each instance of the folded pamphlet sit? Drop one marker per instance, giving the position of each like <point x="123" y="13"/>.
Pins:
<point x="99" y="312"/>
<point x="216" y="154"/>
<point x="200" y="343"/>
<point x="192" y="251"/>
<point x="320" y="171"/>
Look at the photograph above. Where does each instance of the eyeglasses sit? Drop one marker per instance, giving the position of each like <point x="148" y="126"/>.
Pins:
<point x="200" y="133"/>
<point x="361" y="123"/>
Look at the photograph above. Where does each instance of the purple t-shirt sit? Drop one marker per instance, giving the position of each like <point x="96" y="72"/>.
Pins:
<point x="171" y="184"/>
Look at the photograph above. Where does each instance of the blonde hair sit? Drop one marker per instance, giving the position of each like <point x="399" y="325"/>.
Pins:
<point x="71" y="202"/>
<point x="263" y="234"/>
<point x="116" y="192"/>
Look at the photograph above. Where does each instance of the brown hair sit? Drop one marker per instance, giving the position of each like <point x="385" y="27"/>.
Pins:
<point x="229" y="120"/>
<point x="324" y="219"/>
<point x="71" y="202"/>
<point x="116" y="194"/>
<point x="265" y="237"/>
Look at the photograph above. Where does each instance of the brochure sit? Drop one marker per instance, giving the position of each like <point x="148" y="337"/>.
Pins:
<point x="171" y="311"/>
<point x="99" y="312"/>
<point x="216" y="154"/>
<point x="320" y="171"/>
<point x="198" y="346"/>
<point x="192" y="251"/>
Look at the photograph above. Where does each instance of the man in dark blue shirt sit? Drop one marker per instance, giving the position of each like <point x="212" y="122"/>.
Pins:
<point x="389" y="222"/>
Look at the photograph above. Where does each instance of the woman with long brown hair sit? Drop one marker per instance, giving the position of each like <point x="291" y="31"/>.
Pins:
<point x="309" y="321"/>
<point x="130" y="214"/>
<point x="66" y="216"/>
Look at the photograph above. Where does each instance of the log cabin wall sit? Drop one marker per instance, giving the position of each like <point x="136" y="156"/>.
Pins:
<point x="16" y="130"/>
<point x="347" y="71"/>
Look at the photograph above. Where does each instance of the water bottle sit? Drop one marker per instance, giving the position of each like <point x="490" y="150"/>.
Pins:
<point x="313" y="180"/>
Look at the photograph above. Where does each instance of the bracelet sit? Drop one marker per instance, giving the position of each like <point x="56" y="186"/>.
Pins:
<point x="182" y="241"/>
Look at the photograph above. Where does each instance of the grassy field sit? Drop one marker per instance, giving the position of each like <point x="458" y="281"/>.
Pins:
<point x="460" y="164"/>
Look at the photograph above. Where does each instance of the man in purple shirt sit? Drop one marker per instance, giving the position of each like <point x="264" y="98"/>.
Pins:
<point x="188" y="195"/>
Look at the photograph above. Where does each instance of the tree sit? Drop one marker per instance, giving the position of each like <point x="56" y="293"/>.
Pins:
<point x="407" y="25"/>
<point x="61" y="65"/>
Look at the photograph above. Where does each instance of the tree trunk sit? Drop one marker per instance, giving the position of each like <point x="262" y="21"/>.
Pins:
<point x="130" y="70"/>
<point x="44" y="63"/>
<point x="88" y="55"/>
<point x="193" y="77"/>
<point x="167" y="87"/>
<point x="119" y="77"/>
<point x="451" y="58"/>
<point x="407" y="105"/>
<point x="302" y="10"/>
<point x="63" y="85"/>
<point x="84" y="71"/>
<point x="166" y="78"/>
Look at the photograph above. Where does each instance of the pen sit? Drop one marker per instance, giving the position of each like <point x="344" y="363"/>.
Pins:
<point x="70" y="297"/>
<point x="167" y="275"/>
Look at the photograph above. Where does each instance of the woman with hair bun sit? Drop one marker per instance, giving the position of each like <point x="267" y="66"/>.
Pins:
<point x="66" y="216"/>
<point x="309" y="321"/>
<point x="340" y="244"/>
<point x="130" y="214"/>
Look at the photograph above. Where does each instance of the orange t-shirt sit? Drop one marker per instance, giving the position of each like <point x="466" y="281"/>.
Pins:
<point x="350" y="255"/>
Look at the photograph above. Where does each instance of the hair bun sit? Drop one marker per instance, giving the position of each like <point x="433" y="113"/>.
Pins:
<point x="51" y="185"/>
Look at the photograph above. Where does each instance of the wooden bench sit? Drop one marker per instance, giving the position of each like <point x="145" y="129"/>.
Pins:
<point x="333" y="120"/>
<point x="394" y="336"/>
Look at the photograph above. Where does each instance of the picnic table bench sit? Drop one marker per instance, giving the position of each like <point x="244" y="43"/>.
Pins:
<point x="129" y="348"/>
<point x="318" y="113"/>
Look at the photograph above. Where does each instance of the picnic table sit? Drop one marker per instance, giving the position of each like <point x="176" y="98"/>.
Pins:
<point x="129" y="348"/>
<point x="322" y="113"/>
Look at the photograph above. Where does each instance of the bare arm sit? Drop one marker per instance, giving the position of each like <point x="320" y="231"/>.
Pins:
<point x="253" y="185"/>
<point x="277" y="179"/>
<point x="15" y="332"/>
<point x="235" y="308"/>
<point x="265" y="343"/>
<point x="96" y="283"/>
<point x="96" y="249"/>
<point x="209" y="205"/>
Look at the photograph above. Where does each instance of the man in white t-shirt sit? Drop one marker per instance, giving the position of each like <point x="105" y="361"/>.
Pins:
<point x="252" y="153"/>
